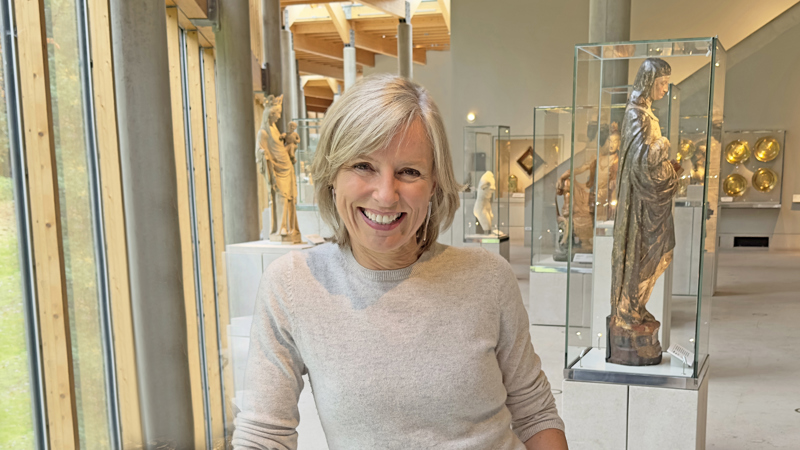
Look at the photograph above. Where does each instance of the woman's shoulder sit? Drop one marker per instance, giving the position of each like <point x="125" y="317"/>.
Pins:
<point x="467" y="258"/>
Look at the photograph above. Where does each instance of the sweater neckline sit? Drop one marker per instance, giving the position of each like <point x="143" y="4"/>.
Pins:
<point x="382" y="275"/>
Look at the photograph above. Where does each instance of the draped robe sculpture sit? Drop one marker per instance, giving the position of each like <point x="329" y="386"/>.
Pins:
<point x="276" y="164"/>
<point x="644" y="233"/>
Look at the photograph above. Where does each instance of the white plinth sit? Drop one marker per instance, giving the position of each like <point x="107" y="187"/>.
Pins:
<point x="492" y="242"/>
<point x="603" y="416"/>
<point x="548" y="293"/>
<point x="658" y="305"/>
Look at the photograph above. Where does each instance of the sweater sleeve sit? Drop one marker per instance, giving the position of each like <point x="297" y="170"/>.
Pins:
<point x="273" y="379"/>
<point x="529" y="399"/>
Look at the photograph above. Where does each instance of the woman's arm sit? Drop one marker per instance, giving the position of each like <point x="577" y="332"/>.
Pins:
<point x="529" y="399"/>
<point x="549" y="439"/>
<point x="273" y="380"/>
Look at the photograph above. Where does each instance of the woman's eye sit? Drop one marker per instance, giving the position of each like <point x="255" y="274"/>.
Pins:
<point x="361" y="166"/>
<point x="410" y="172"/>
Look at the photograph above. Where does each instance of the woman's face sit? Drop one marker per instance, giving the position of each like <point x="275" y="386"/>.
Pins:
<point x="383" y="197"/>
<point x="660" y="87"/>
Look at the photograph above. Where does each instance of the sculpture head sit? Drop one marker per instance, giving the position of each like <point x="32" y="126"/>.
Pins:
<point x="292" y="126"/>
<point x="486" y="186"/>
<point x="652" y="81"/>
<point x="273" y="107"/>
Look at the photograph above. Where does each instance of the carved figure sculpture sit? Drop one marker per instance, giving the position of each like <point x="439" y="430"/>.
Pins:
<point x="276" y="164"/>
<point x="483" y="204"/>
<point x="644" y="233"/>
<point x="592" y="199"/>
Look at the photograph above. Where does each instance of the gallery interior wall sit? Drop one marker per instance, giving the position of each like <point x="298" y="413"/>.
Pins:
<point x="761" y="93"/>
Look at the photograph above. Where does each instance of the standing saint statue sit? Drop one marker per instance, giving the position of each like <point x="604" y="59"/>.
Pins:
<point x="592" y="199"/>
<point x="276" y="164"/>
<point x="644" y="232"/>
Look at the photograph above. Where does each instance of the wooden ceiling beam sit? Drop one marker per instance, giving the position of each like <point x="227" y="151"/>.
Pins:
<point x="396" y="8"/>
<point x="339" y="21"/>
<point x="315" y="68"/>
<point x="412" y="7"/>
<point x="318" y="102"/>
<point x="322" y="92"/>
<point x="305" y="2"/>
<point x="385" y="47"/>
<point x="333" y="50"/>
<point x="444" y="5"/>
<point x="194" y="9"/>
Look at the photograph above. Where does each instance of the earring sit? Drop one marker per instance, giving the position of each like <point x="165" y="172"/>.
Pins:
<point x="333" y="192"/>
<point x="427" y="220"/>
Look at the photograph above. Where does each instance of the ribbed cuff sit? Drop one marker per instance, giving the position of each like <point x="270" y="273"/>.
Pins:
<point x="528" y="433"/>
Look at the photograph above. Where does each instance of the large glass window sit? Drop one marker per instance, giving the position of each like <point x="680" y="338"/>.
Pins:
<point x="16" y="411"/>
<point x="77" y="221"/>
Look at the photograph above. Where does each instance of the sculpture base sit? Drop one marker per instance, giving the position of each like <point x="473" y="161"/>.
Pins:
<point x="635" y="345"/>
<point x="291" y="238"/>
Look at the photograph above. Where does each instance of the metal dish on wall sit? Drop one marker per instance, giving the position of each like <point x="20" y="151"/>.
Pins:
<point x="737" y="152"/>
<point x="734" y="185"/>
<point x="767" y="148"/>
<point x="686" y="150"/>
<point x="764" y="179"/>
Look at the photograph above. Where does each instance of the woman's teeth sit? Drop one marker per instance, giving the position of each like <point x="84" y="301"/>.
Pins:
<point x="382" y="219"/>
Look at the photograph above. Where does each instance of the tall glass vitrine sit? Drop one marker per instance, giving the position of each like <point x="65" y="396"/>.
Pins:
<point x="486" y="178"/>
<point x="659" y="95"/>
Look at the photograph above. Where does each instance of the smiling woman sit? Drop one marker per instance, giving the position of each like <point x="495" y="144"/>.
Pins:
<point x="408" y="343"/>
<point x="395" y="140"/>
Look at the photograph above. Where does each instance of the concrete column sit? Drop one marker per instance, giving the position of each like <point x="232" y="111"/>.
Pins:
<point x="610" y="21"/>
<point x="149" y="184"/>
<point x="237" y="140"/>
<point x="349" y="65"/>
<point x="289" y="78"/>
<point x="405" y="50"/>
<point x="271" y="32"/>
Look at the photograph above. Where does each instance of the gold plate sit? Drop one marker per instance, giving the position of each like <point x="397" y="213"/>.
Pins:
<point x="686" y="150"/>
<point x="734" y="185"/>
<point x="765" y="179"/>
<point x="737" y="152"/>
<point x="767" y="149"/>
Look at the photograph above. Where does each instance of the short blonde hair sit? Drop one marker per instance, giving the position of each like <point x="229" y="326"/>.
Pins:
<point x="365" y="119"/>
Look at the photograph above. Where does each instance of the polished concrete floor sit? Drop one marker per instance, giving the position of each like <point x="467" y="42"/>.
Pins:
<point x="754" y="389"/>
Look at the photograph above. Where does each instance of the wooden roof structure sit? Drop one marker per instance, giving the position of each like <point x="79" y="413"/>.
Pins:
<point x="320" y="29"/>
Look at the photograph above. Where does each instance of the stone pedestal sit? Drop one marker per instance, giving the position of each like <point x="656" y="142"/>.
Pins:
<point x="604" y="416"/>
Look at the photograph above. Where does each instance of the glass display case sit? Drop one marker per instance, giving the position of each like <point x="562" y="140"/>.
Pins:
<point x="752" y="169"/>
<point x="308" y="129"/>
<point x="487" y="173"/>
<point x="626" y="326"/>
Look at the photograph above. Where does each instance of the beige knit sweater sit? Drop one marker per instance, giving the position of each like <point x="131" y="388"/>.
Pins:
<point x="435" y="355"/>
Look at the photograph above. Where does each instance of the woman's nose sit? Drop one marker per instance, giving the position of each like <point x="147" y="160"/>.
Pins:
<point x="385" y="192"/>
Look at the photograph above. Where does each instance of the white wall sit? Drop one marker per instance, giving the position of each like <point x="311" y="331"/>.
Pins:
<point x="762" y="92"/>
<point x="509" y="56"/>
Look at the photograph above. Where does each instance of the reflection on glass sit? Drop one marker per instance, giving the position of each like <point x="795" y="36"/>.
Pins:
<point x="16" y="415"/>
<point x="76" y="221"/>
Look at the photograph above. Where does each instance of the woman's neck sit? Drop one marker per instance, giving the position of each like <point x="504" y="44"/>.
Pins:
<point x="397" y="259"/>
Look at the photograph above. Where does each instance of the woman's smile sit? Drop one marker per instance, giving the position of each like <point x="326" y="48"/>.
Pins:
<point x="383" y="221"/>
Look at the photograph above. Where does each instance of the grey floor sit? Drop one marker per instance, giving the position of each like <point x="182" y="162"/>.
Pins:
<point x="754" y="389"/>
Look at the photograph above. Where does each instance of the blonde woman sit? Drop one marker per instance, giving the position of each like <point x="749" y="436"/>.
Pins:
<point x="407" y="343"/>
